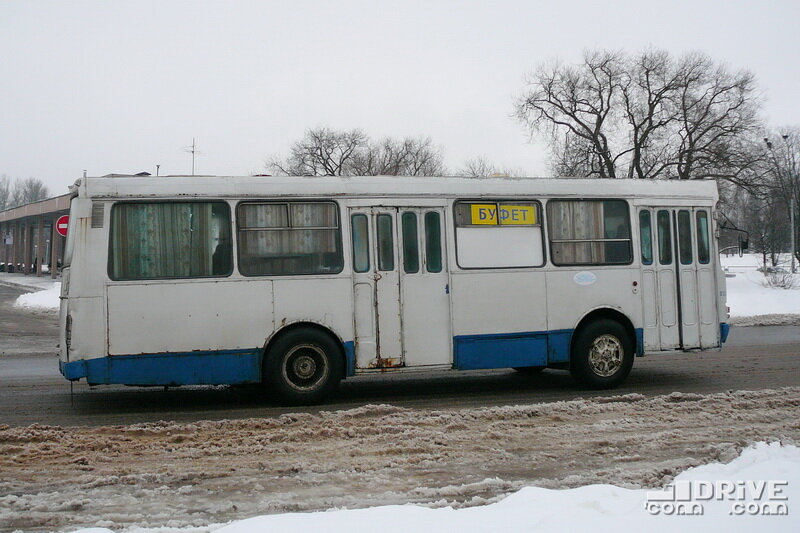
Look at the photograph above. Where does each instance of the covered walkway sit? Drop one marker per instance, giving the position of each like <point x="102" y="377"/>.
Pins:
<point x="29" y="242"/>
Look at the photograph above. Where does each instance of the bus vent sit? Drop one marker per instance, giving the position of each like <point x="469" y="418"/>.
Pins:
<point x="97" y="214"/>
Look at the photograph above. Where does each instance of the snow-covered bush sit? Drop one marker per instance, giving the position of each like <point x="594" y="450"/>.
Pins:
<point x="781" y="279"/>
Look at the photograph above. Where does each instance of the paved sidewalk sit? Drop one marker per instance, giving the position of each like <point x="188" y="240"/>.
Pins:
<point x="27" y="282"/>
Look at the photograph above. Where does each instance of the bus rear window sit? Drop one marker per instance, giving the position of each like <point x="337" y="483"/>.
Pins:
<point x="155" y="240"/>
<point x="289" y="238"/>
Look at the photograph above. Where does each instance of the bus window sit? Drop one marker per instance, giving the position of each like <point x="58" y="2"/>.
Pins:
<point x="433" y="242"/>
<point x="385" y="243"/>
<point x="410" y="243"/>
<point x="703" y="248"/>
<point x="589" y="232"/>
<point x="685" y="237"/>
<point x="360" y="243"/>
<point x="280" y="238"/>
<point x="646" y="237"/>
<point x="498" y="235"/>
<point x="664" y="238"/>
<point x="156" y="240"/>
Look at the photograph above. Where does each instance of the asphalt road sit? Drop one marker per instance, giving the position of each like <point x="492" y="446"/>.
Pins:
<point x="33" y="391"/>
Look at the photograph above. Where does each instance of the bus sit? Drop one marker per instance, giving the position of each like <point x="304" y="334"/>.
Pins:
<point x="298" y="282"/>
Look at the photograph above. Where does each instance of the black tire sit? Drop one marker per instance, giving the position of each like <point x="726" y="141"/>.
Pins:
<point x="303" y="367"/>
<point x="602" y="354"/>
<point x="529" y="370"/>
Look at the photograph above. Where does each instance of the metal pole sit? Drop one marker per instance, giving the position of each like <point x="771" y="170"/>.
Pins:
<point x="54" y="236"/>
<point x="792" y="247"/>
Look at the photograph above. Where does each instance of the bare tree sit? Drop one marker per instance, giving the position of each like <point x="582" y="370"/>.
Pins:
<point x="326" y="152"/>
<point x="782" y="161"/>
<point x="480" y="167"/>
<point x="406" y="157"/>
<point x="645" y="116"/>
<point x="321" y="152"/>
<point x="5" y="192"/>
<point x="20" y="192"/>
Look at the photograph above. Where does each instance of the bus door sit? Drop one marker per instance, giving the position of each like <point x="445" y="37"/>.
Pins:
<point x="678" y="283"/>
<point x="400" y="287"/>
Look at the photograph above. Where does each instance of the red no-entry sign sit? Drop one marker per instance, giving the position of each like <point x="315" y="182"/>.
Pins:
<point x="61" y="225"/>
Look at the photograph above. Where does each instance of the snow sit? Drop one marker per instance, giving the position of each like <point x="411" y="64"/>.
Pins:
<point x="591" y="507"/>
<point x="748" y="292"/>
<point x="45" y="300"/>
<point x="173" y="476"/>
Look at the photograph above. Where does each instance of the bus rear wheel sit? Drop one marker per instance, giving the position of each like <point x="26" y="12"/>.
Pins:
<point x="602" y="355"/>
<point x="303" y="367"/>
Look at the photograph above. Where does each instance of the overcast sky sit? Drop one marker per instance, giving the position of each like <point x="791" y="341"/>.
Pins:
<point x="123" y="86"/>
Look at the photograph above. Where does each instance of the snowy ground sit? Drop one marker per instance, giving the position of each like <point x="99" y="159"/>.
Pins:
<point x="190" y="475"/>
<point x="46" y="300"/>
<point x="588" y="508"/>
<point x="752" y="301"/>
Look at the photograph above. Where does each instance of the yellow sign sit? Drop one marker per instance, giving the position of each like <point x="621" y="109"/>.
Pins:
<point x="510" y="215"/>
<point x="484" y="214"/>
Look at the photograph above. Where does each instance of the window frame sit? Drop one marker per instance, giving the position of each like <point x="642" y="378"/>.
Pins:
<point x="441" y="250"/>
<point x="352" y="242"/>
<point x="709" y="246"/>
<point x="288" y="202"/>
<point x="109" y="270"/>
<point x="652" y="250"/>
<point x="581" y="265"/>
<point x="541" y="224"/>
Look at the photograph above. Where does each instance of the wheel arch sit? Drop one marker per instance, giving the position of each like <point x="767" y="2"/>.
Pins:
<point x="278" y="333"/>
<point x="611" y="314"/>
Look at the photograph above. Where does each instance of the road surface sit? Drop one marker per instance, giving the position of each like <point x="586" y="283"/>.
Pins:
<point x="32" y="390"/>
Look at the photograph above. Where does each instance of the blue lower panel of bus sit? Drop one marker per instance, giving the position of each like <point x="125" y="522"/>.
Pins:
<point x="504" y="350"/>
<point x="507" y="350"/>
<point x="191" y="368"/>
<point x="219" y="367"/>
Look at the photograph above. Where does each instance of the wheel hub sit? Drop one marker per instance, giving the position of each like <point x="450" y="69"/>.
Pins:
<point x="605" y="356"/>
<point x="304" y="366"/>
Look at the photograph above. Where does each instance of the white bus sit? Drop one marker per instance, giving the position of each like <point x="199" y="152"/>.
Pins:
<point x="299" y="282"/>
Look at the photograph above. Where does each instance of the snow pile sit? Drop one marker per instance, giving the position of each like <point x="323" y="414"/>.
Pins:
<point x="46" y="300"/>
<point x="749" y="294"/>
<point x="591" y="507"/>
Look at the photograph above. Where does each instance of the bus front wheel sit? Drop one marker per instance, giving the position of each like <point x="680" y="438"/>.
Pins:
<point x="303" y="367"/>
<point x="602" y="354"/>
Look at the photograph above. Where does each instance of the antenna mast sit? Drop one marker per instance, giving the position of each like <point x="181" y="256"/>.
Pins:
<point x="192" y="150"/>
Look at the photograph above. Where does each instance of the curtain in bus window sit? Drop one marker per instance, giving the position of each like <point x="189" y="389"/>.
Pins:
<point x="289" y="238"/>
<point x="170" y="240"/>
<point x="589" y="232"/>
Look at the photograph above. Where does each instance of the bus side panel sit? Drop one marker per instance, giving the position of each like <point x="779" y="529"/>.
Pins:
<point x="574" y="292"/>
<point x="327" y="302"/>
<point x="499" y="319"/>
<point x="191" y="315"/>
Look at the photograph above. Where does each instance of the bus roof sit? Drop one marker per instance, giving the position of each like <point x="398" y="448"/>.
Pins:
<point x="130" y="187"/>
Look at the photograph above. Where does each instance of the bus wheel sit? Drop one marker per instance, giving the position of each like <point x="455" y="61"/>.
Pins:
<point x="529" y="370"/>
<point x="303" y="367"/>
<point x="602" y="355"/>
